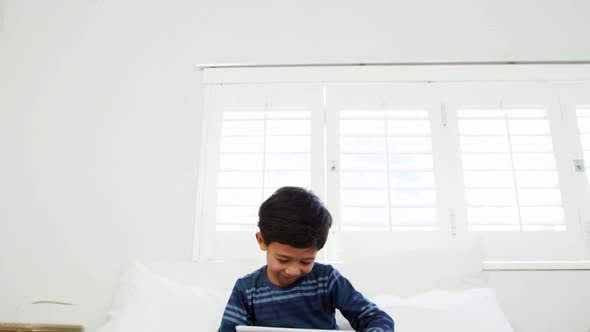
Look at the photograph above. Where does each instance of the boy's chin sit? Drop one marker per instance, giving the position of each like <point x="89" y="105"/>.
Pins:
<point x="287" y="281"/>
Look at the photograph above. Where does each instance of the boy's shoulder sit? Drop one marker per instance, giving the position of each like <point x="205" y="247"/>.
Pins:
<point x="254" y="275"/>
<point x="323" y="269"/>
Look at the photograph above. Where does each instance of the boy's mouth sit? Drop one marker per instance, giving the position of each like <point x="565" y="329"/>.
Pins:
<point x="286" y="280"/>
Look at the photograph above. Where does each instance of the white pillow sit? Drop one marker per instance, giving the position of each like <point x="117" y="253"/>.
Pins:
<point x="472" y="310"/>
<point x="452" y="266"/>
<point x="154" y="303"/>
<point x="127" y="282"/>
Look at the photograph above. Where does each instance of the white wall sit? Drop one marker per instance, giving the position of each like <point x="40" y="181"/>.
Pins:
<point x="2" y="8"/>
<point x="544" y="300"/>
<point x="100" y="111"/>
<point x="100" y="120"/>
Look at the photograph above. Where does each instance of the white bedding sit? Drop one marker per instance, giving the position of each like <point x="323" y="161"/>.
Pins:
<point x="148" y="302"/>
<point x="475" y="310"/>
<point x="191" y="296"/>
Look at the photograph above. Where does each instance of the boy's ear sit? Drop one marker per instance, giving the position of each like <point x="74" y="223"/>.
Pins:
<point x="260" y="241"/>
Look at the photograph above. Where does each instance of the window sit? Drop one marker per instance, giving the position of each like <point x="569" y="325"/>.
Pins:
<point x="257" y="138"/>
<point x="386" y="170"/>
<point x="400" y="165"/>
<point x="260" y="152"/>
<point x="509" y="172"/>
<point x="583" y="116"/>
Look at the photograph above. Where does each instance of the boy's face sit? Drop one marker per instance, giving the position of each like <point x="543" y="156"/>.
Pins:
<point x="286" y="264"/>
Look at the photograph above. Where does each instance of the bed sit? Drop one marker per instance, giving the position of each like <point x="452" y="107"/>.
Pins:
<point x="442" y="290"/>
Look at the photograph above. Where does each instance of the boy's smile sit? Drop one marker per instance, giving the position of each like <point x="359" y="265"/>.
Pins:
<point x="286" y="264"/>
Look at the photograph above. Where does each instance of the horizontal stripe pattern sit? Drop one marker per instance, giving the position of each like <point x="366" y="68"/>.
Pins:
<point x="309" y="303"/>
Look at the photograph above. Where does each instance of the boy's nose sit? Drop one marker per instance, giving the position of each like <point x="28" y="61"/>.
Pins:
<point x="292" y="271"/>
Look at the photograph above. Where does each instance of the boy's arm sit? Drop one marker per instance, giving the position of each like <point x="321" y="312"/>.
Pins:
<point x="362" y="314"/>
<point x="236" y="311"/>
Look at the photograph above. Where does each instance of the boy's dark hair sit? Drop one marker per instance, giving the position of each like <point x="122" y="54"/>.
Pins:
<point x="294" y="216"/>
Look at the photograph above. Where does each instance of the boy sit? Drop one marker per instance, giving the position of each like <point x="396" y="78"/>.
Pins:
<point x="292" y="291"/>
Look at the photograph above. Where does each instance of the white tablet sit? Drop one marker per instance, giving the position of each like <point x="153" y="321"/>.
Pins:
<point x="244" y="328"/>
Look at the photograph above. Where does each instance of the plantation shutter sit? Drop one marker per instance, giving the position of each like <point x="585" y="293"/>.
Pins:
<point x="509" y="170"/>
<point x="405" y="159"/>
<point x="260" y="152"/>
<point x="261" y="138"/>
<point x="583" y="117"/>
<point x="386" y="170"/>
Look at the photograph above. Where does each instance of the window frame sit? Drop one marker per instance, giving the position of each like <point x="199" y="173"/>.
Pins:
<point x="442" y="82"/>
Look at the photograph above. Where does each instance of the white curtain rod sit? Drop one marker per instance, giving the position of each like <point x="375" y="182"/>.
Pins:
<point x="246" y="65"/>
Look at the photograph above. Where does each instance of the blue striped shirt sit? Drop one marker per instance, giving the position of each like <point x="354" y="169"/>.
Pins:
<point x="310" y="302"/>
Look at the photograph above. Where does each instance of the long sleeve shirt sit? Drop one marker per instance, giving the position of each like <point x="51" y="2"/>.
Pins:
<point x="310" y="302"/>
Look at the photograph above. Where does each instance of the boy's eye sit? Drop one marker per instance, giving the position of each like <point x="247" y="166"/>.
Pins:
<point x="283" y="260"/>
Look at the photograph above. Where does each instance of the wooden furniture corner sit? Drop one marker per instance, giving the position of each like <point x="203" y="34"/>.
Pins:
<point x="18" y="327"/>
